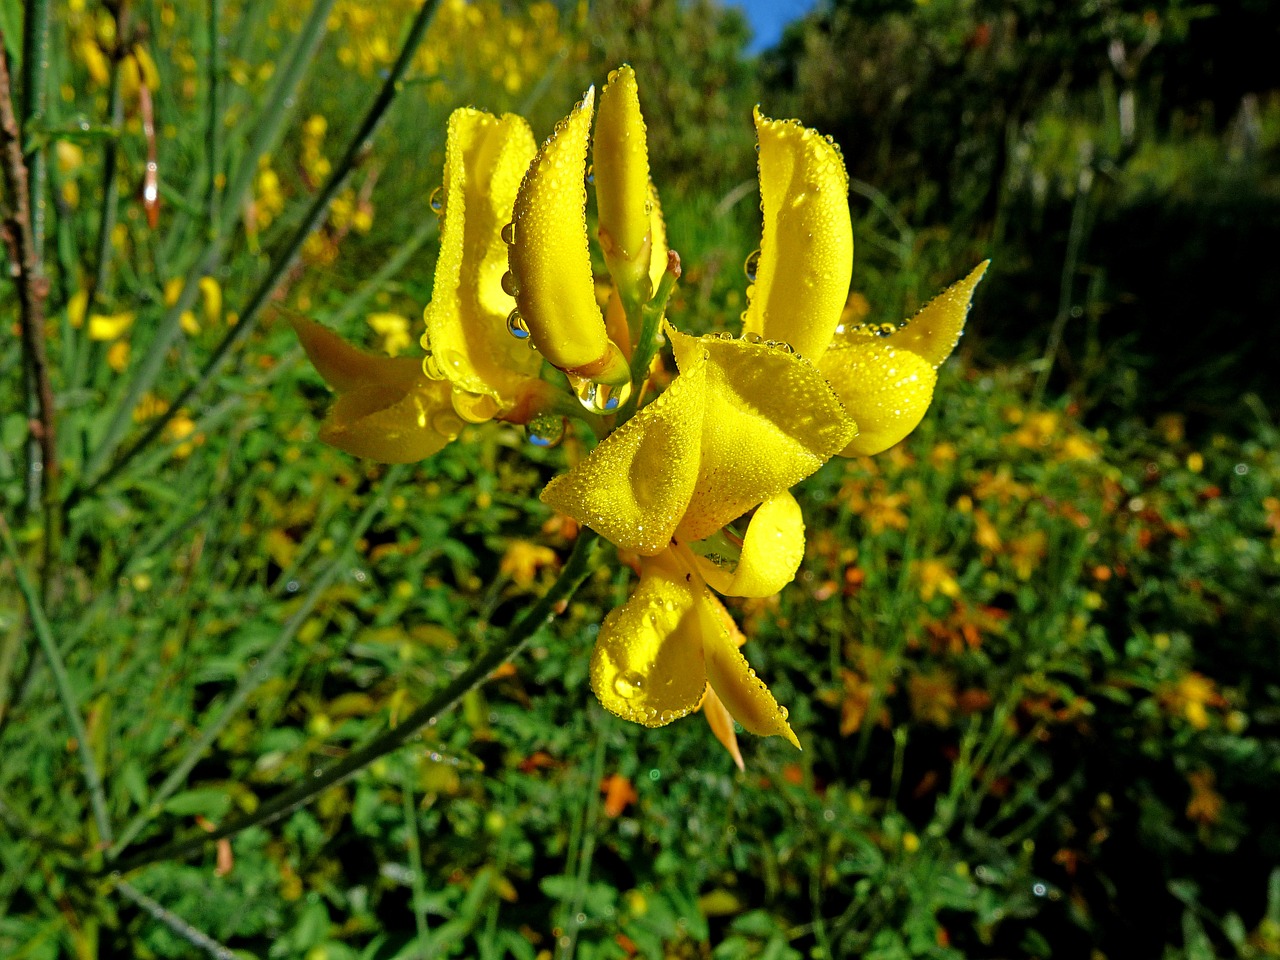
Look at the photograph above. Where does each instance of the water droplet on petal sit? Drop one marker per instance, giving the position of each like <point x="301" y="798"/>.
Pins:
<point x="546" y="430"/>
<point x="516" y="325"/>
<point x="752" y="266"/>
<point x="447" y="425"/>
<point x="474" y="407"/>
<point x="436" y="201"/>
<point x="431" y="366"/>
<point x="601" y="397"/>
<point x="591" y="175"/>
<point x="628" y="684"/>
<point x="509" y="233"/>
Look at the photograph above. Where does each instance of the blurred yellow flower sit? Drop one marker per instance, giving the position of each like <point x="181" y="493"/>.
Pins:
<point x="523" y="560"/>
<point x="935" y="576"/>
<point x="393" y="329"/>
<point x="104" y="327"/>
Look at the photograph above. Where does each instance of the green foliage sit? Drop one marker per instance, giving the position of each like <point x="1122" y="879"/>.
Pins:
<point x="1030" y="658"/>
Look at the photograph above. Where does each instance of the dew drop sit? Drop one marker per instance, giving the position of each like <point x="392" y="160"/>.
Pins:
<point x="591" y="175"/>
<point x="431" y="366"/>
<point x="516" y="325"/>
<point x="509" y="233"/>
<point x="509" y="285"/>
<point x="601" y="397"/>
<point x="447" y="425"/>
<point x="752" y="265"/>
<point x="436" y="201"/>
<point x="628" y="685"/>
<point x="546" y="430"/>
<point x="474" y="407"/>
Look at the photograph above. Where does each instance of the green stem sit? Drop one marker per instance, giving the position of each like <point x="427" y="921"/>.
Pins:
<point x="101" y="277"/>
<point x="575" y="571"/>
<point x="280" y="100"/>
<point x="35" y="64"/>
<point x="175" y="923"/>
<point x="1075" y="240"/>
<point x="279" y="267"/>
<point x="213" y="132"/>
<point x="260" y="673"/>
<point x="650" y="339"/>
<point x="66" y="694"/>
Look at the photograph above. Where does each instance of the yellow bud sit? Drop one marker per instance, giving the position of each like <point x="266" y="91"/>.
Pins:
<point x="621" y="172"/>
<point x="550" y="259"/>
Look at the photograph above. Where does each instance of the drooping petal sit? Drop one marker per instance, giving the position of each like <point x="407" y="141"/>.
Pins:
<point x="485" y="158"/>
<point x="771" y="552"/>
<point x="934" y="332"/>
<point x="635" y="486"/>
<point x="620" y="161"/>
<point x="342" y="366"/>
<point x="721" y="723"/>
<point x="393" y="422"/>
<point x="549" y="256"/>
<point x="886" y="389"/>
<point x="806" y="252"/>
<point x="647" y="665"/>
<point x="770" y="420"/>
<point x="744" y="694"/>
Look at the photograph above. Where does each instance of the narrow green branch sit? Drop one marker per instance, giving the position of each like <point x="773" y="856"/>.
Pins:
<point x="175" y="923"/>
<point x="261" y="672"/>
<point x="575" y="571"/>
<point x="66" y="694"/>
<point x="650" y="339"/>
<point x="279" y="267"/>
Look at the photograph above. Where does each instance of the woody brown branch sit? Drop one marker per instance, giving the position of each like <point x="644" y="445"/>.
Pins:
<point x="24" y="267"/>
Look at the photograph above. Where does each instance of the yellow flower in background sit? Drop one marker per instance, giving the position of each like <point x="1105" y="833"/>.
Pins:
<point x="394" y="330"/>
<point x="105" y="327"/>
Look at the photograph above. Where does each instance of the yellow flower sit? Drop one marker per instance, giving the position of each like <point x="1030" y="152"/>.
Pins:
<point x="935" y="577"/>
<point x="523" y="560"/>
<point x="402" y="409"/>
<point x="109" y="326"/>
<point x="394" y="330"/>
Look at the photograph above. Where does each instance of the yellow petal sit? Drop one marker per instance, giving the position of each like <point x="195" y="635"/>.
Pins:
<point x="934" y="332"/>
<point x="770" y="420"/>
<point x="647" y="665"/>
<point x="721" y="723"/>
<point x="657" y="239"/>
<point x="634" y="487"/>
<point x="211" y="293"/>
<point x="771" y="552"/>
<point x="806" y="252"/>
<point x="109" y="327"/>
<point x="485" y="157"/>
<point x="743" y="693"/>
<point x="342" y="366"/>
<point x="885" y="389"/>
<point x="549" y="256"/>
<point x="620" y="164"/>
<point x="404" y="419"/>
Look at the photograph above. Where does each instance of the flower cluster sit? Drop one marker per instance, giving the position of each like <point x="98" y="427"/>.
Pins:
<point x="677" y="473"/>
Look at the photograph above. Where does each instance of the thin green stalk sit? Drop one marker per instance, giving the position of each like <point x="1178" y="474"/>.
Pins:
<point x="1070" y="263"/>
<point x="35" y="66"/>
<point x="415" y="866"/>
<point x="186" y="931"/>
<point x="213" y="132"/>
<point x="280" y="266"/>
<point x="586" y="852"/>
<point x="261" y="672"/>
<point x="575" y="571"/>
<point x="101" y="278"/>
<point x="353" y="304"/>
<point x="279" y="103"/>
<point x="66" y="694"/>
<point x="650" y="338"/>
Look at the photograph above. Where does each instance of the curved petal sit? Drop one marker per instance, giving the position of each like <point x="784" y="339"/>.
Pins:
<point x="806" y="252"/>
<point x="647" y="665"/>
<point x="485" y="157"/>
<point x="403" y="419"/>
<point x="620" y="161"/>
<point x="342" y="366"/>
<point x="888" y="390"/>
<point x="657" y="239"/>
<point x="720" y="720"/>
<point x="771" y="552"/>
<point x="743" y="693"/>
<point x="549" y="257"/>
<point x="934" y="332"/>
<point x="635" y="486"/>
<point x="770" y="420"/>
